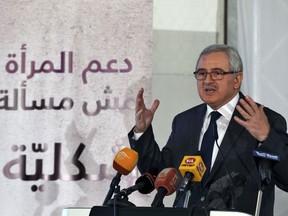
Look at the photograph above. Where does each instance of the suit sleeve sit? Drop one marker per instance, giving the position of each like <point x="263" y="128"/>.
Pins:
<point x="277" y="143"/>
<point x="151" y="159"/>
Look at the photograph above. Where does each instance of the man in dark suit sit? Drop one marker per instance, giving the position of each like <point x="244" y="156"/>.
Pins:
<point x="243" y="126"/>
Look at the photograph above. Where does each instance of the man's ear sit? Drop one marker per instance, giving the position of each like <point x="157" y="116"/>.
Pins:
<point x="238" y="80"/>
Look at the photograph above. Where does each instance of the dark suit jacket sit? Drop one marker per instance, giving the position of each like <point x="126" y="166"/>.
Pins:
<point x="236" y="147"/>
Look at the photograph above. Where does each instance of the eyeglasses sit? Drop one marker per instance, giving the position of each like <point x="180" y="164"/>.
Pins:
<point x="215" y="74"/>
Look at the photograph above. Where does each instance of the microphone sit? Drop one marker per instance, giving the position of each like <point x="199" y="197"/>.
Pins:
<point x="124" y="162"/>
<point x="191" y="168"/>
<point x="264" y="169"/>
<point x="144" y="184"/>
<point x="265" y="155"/>
<point x="264" y="165"/>
<point x="166" y="183"/>
<point x="224" y="191"/>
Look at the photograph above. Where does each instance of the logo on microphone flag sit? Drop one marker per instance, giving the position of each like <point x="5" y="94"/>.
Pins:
<point x="195" y="165"/>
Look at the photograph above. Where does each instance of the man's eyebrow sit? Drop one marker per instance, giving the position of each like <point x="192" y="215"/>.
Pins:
<point x="216" y="68"/>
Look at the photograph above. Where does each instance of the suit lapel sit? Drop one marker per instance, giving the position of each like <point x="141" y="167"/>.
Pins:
<point x="230" y="139"/>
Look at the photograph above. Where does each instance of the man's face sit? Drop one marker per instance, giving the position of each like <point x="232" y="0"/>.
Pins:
<point x="217" y="93"/>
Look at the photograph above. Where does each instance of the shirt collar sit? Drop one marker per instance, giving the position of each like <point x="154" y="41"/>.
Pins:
<point x="227" y="109"/>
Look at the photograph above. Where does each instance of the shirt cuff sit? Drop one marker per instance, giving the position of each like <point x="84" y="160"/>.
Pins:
<point x="137" y="135"/>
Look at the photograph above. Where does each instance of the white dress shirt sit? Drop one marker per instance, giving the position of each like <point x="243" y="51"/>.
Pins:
<point x="222" y="124"/>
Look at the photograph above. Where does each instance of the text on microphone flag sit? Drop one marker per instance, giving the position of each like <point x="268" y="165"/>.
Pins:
<point x="266" y="155"/>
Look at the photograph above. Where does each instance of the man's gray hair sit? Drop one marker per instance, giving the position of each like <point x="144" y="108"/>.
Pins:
<point x="234" y="58"/>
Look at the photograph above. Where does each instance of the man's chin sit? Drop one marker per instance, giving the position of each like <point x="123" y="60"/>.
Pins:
<point x="208" y="98"/>
<point x="211" y="101"/>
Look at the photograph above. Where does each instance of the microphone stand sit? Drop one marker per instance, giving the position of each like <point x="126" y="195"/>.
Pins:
<point x="120" y="202"/>
<point x="265" y="179"/>
<point x="113" y="187"/>
<point x="182" y="189"/>
<point x="187" y="195"/>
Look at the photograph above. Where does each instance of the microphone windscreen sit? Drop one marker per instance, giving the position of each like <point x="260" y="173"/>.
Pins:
<point x="168" y="178"/>
<point x="125" y="161"/>
<point x="147" y="181"/>
<point x="235" y="182"/>
<point x="193" y="164"/>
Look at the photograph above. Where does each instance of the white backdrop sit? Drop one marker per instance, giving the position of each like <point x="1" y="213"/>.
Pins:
<point x="69" y="73"/>
<point x="263" y="44"/>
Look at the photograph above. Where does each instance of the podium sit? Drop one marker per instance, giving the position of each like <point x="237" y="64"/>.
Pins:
<point x="151" y="211"/>
<point x="144" y="211"/>
<point x="139" y="211"/>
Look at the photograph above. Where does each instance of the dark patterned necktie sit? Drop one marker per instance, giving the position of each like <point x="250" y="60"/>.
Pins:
<point x="208" y="143"/>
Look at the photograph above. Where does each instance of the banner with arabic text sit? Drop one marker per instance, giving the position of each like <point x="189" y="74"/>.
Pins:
<point x="69" y="74"/>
